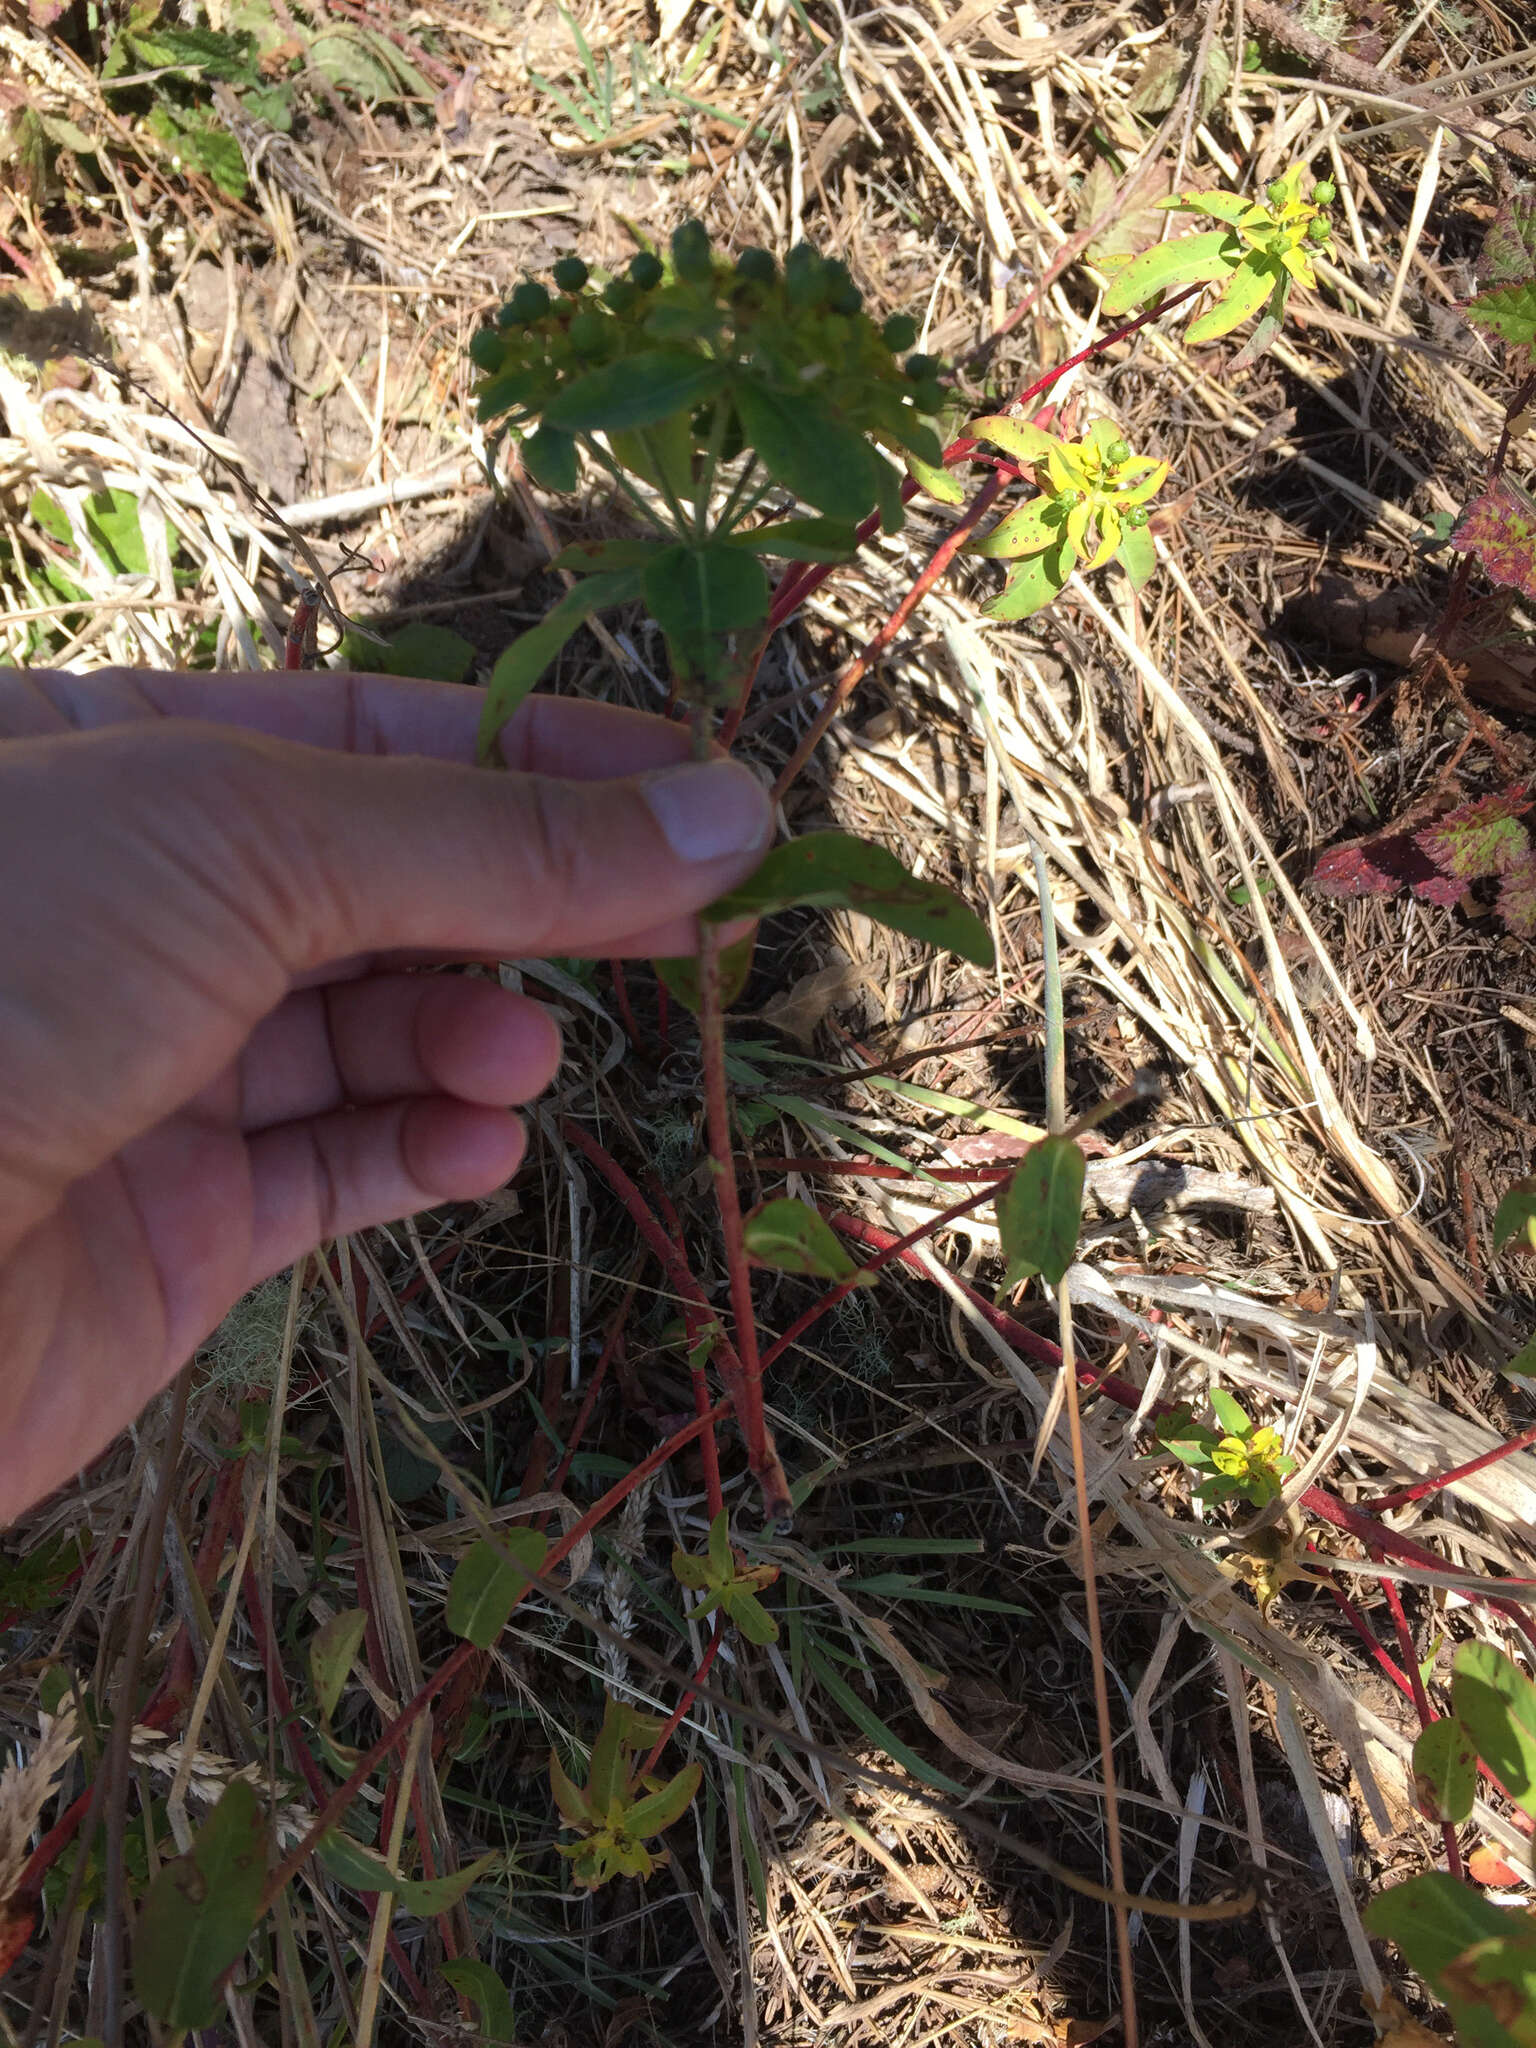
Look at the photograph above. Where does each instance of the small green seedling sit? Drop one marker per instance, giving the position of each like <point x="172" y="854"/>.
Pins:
<point x="618" y="1813"/>
<point x="1263" y="248"/>
<point x="728" y="1584"/>
<point x="1237" y="1461"/>
<point x="1091" y="508"/>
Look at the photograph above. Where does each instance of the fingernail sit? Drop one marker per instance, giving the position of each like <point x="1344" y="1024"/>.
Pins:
<point x="708" y="809"/>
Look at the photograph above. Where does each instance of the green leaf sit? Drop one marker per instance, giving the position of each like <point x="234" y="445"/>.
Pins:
<point x="658" y="1810"/>
<point x="332" y="1653"/>
<point x="810" y="452"/>
<point x="699" y="596"/>
<point x="1454" y="1937"/>
<point x="588" y="560"/>
<point x="208" y="50"/>
<point x="635" y="392"/>
<point x="1496" y="1704"/>
<point x="1499" y="527"/>
<point x="1021" y="439"/>
<point x="1524" y="1360"/>
<point x="354" y="1864"/>
<point x="936" y="480"/>
<point x="349" y="61"/>
<point x="486" y="1586"/>
<point x="832" y="869"/>
<point x="792" y="1237"/>
<point x="1508" y="310"/>
<point x="1481" y="838"/>
<point x="1137" y="554"/>
<point x="1230" y="207"/>
<point x="661" y="455"/>
<point x="1250" y="285"/>
<point x="434" y="653"/>
<point x="750" y="1616"/>
<point x="1230" y="1413"/>
<point x="1445" y="1771"/>
<point x="680" y="977"/>
<point x="1192" y="259"/>
<point x="607" y="1769"/>
<point x="549" y="456"/>
<point x="1032" y="584"/>
<point x="47" y="513"/>
<point x="575" y="1808"/>
<point x="477" y="1980"/>
<point x="520" y="665"/>
<point x="1191" y="1442"/>
<point x="426" y="1897"/>
<point x="1039" y="1211"/>
<point x="201" y="1912"/>
<point x="800" y="540"/>
<point x="1516" y="1214"/>
<point x="112" y="521"/>
<point x="1028" y="531"/>
<point x="721" y="1558"/>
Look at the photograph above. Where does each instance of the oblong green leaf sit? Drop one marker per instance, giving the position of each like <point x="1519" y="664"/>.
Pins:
<point x="1192" y="259"/>
<point x="549" y="457"/>
<point x="488" y="1584"/>
<point x="638" y="391"/>
<point x="354" y="1864"/>
<point x="698" y="595"/>
<point x="1248" y="288"/>
<point x="1021" y="439"/>
<point x="1137" y="555"/>
<point x="1028" y="531"/>
<point x="586" y="559"/>
<point x="332" y="1653"/>
<point x="1039" y="1211"/>
<point x="1496" y="1704"/>
<point x="792" y="1237"/>
<point x="477" y="1980"/>
<point x="828" y="869"/>
<point x="680" y="976"/>
<point x="1445" y="1771"/>
<point x="658" y="1810"/>
<point x="1228" y="206"/>
<point x="1516" y="1215"/>
<point x="1032" y="584"/>
<point x="1436" y="1921"/>
<point x="1230" y="1413"/>
<point x="435" y="653"/>
<point x="800" y="540"/>
<point x="520" y="665"/>
<point x="803" y="447"/>
<point x="936" y="480"/>
<point x="749" y="1615"/>
<point x="200" y="1913"/>
<point x="428" y="1896"/>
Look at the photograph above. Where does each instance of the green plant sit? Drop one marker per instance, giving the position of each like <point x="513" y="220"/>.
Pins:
<point x="1239" y="1460"/>
<point x="1478" y="1956"/>
<point x="1263" y="248"/>
<point x="729" y="1586"/>
<point x="620" y="1810"/>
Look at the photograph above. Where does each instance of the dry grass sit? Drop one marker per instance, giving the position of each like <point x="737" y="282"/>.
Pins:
<point x="1344" y="1091"/>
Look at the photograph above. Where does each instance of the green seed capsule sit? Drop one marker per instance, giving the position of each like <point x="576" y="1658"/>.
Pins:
<point x="1276" y="190"/>
<point x="918" y="367"/>
<point x="487" y="349"/>
<point x="929" y="396"/>
<point x="756" y="266"/>
<point x="1318" y="231"/>
<point x="690" y="253"/>
<point x="1117" y="452"/>
<point x="1323" y="193"/>
<point x="899" y="332"/>
<point x="570" y="273"/>
<point x="846" y="298"/>
<point x="619" y="295"/>
<point x="645" y="270"/>
<point x="804" y="276"/>
<point x="1137" y="516"/>
<point x="530" y="302"/>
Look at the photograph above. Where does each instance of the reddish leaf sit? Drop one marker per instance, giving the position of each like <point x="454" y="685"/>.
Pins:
<point x="1500" y="529"/>
<point x="1486" y="1866"/>
<point x="1517" y="896"/>
<point x="1484" y="837"/>
<point x="18" y="1917"/>
<point x="1380" y="867"/>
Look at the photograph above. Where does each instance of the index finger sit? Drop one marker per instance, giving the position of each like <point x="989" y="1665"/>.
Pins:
<point x="351" y="713"/>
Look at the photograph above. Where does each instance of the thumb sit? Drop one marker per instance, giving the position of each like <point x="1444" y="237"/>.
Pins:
<point x="374" y="854"/>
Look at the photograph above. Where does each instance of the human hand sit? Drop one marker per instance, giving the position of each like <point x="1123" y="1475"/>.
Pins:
<point x="208" y="1062"/>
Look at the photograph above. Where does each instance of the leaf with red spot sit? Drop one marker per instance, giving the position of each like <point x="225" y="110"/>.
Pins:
<point x="1484" y="837"/>
<point x="1517" y="896"/>
<point x="1500" y="529"/>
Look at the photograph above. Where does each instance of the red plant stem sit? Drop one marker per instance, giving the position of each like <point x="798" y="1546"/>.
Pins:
<point x="1424" y="1487"/>
<point x="709" y="1450"/>
<point x="897" y="1247"/>
<point x="1426" y="1712"/>
<point x="452" y="1665"/>
<point x="875" y="1169"/>
<point x="1018" y="1334"/>
<point x="299" y="647"/>
<point x="690" y="1694"/>
<point x="1361" y="1626"/>
<point x="873" y="648"/>
<point x="762" y="1454"/>
<point x="621" y="997"/>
